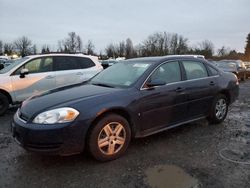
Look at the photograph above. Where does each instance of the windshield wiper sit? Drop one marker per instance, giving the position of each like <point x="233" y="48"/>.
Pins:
<point x="102" y="84"/>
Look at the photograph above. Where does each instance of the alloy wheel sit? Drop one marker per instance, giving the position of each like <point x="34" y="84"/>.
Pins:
<point x="221" y="108"/>
<point x="111" y="138"/>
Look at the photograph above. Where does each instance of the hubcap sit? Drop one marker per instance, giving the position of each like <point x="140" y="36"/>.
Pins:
<point x="221" y="108"/>
<point x="111" y="138"/>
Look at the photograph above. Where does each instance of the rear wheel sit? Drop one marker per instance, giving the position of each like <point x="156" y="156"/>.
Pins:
<point x="109" y="138"/>
<point x="219" y="109"/>
<point x="243" y="78"/>
<point x="4" y="103"/>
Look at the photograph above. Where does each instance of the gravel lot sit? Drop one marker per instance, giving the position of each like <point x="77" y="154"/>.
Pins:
<point x="193" y="155"/>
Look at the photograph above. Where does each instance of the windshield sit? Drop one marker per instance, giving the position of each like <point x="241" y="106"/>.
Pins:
<point x="123" y="74"/>
<point x="13" y="63"/>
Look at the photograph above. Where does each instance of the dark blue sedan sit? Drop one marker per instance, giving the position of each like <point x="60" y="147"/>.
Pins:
<point x="133" y="98"/>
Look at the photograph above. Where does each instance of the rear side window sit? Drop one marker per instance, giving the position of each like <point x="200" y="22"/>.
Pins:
<point x="85" y="62"/>
<point x="66" y="63"/>
<point x="212" y="71"/>
<point x="195" y="70"/>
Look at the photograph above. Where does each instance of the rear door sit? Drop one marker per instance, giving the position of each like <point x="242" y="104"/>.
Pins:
<point x="41" y="78"/>
<point x="72" y="70"/>
<point x="200" y="87"/>
<point x="164" y="105"/>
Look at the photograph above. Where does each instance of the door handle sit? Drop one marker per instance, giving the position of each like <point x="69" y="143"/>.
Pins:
<point x="180" y="89"/>
<point x="79" y="73"/>
<point x="211" y="83"/>
<point x="50" y="77"/>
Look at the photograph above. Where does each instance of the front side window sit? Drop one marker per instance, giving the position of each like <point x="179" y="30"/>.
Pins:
<point x="195" y="70"/>
<point x="37" y="65"/>
<point x="168" y="72"/>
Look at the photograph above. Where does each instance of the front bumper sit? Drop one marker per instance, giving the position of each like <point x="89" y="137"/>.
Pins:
<point x="59" y="139"/>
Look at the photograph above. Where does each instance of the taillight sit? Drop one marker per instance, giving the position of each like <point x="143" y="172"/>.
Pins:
<point x="99" y="66"/>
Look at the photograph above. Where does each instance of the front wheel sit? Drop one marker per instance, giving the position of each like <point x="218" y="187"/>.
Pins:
<point x="109" y="138"/>
<point x="4" y="104"/>
<point x="219" y="109"/>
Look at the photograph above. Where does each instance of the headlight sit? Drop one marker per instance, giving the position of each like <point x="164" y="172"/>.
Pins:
<point x="60" y="115"/>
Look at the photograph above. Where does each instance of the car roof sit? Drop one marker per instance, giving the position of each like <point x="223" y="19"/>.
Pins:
<point x="165" y="58"/>
<point x="94" y="58"/>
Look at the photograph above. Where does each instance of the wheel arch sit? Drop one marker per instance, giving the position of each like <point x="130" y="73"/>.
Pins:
<point x="226" y="93"/>
<point x="7" y="95"/>
<point x="119" y="111"/>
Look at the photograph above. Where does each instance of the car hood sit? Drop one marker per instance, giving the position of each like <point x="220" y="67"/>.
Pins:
<point x="56" y="97"/>
<point x="228" y="69"/>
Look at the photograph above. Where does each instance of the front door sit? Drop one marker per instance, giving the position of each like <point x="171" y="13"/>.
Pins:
<point x="164" y="105"/>
<point x="39" y="79"/>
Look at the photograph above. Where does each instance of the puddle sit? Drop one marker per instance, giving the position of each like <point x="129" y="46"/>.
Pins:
<point x="169" y="176"/>
<point x="238" y="153"/>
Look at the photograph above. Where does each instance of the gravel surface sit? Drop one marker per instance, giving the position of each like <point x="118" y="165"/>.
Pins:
<point x="210" y="155"/>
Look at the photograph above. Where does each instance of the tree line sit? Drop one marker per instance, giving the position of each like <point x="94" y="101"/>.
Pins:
<point x="156" y="44"/>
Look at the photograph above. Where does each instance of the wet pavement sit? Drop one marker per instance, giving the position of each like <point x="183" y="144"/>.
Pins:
<point x="193" y="155"/>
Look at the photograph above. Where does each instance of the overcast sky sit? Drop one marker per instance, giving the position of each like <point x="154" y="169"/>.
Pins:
<point x="224" y="22"/>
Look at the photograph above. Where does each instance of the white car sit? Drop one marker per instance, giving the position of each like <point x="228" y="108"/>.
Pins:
<point x="38" y="73"/>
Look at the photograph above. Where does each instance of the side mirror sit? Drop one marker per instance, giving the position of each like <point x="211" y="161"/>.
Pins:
<point x="24" y="72"/>
<point x="156" y="82"/>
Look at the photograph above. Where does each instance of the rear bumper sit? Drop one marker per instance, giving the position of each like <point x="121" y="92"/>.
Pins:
<point x="60" y="139"/>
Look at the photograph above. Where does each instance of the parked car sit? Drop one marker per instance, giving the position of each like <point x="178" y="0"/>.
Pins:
<point x="33" y="74"/>
<point x="227" y="67"/>
<point x="2" y="62"/>
<point x="108" y="63"/>
<point x="247" y="64"/>
<point x="133" y="98"/>
<point x="240" y="71"/>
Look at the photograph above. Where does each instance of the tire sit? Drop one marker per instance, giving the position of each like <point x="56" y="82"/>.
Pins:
<point x="243" y="78"/>
<point x="109" y="138"/>
<point x="219" y="109"/>
<point x="4" y="103"/>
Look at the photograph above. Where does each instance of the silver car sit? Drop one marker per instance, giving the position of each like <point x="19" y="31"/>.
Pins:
<point x="38" y="73"/>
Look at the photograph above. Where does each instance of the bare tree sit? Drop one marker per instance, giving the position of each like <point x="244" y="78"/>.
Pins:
<point x="223" y="51"/>
<point x="247" y="48"/>
<point x="182" y="47"/>
<point x="110" y="51"/>
<point x="206" y="48"/>
<point x="159" y="44"/>
<point x="78" y="43"/>
<point x="45" y="49"/>
<point x="34" y="49"/>
<point x="8" y="48"/>
<point x="72" y="43"/>
<point x="23" y="45"/>
<point x="90" y="48"/>
<point x="121" y="49"/>
<point x="129" y="49"/>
